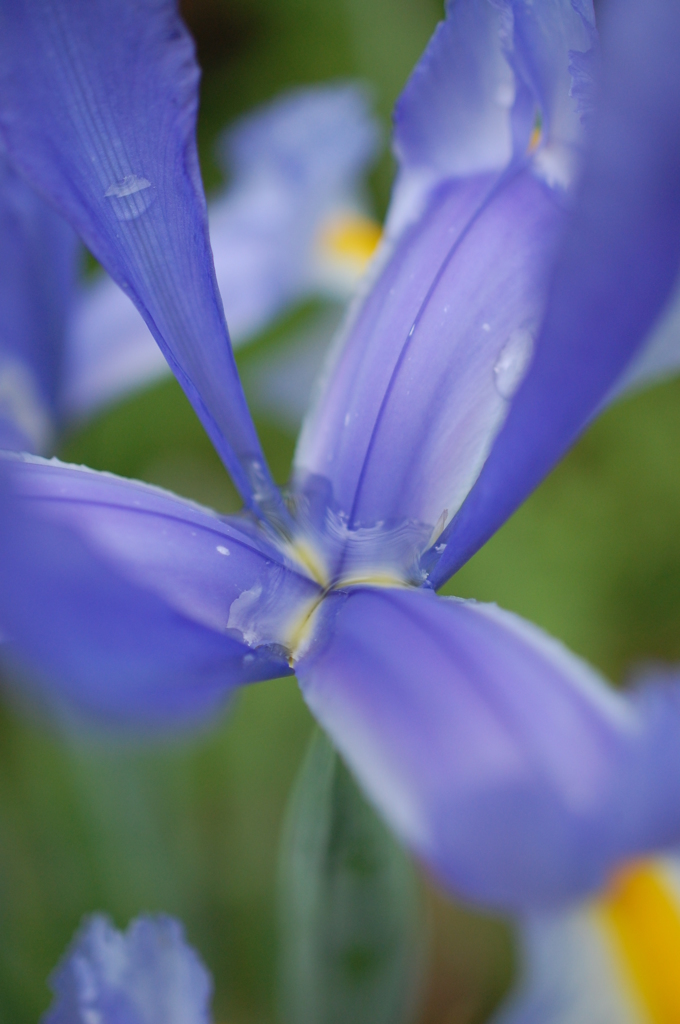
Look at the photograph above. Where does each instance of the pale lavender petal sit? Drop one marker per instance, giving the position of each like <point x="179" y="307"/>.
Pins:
<point x="504" y="761"/>
<point x="135" y="605"/>
<point x="97" y="108"/>
<point x="146" y="975"/>
<point x="426" y="372"/>
<point x="37" y="288"/>
<point x="614" y="274"/>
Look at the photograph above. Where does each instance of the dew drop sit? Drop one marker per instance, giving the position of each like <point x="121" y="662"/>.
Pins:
<point x="486" y="327"/>
<point x="513" y="362"/>
<point x="222" y="550"/>
<point x="131" y="196"/>
<point x="248" y="659"/>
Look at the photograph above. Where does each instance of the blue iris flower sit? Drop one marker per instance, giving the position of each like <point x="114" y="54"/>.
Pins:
<point x="146" y="975"/>
<point x="507" y="303"/>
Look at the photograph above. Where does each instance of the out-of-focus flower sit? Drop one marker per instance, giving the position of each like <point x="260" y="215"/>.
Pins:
<point x="612" y="960"/>
<point x="502" y="313"/>
<point x="146" y="975"/>
<point x="291" y="223"/>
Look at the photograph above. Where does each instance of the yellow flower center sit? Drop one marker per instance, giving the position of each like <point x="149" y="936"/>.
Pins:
<point x="350" y="240"/>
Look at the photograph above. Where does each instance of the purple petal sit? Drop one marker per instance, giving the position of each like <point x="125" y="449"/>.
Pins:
<point x="614" y="274"/>
<point x="133" y="604"/>
<point x="98" y="108"/>
<point x="146" y="975"/>
<point x="423" y="381"/>
<point x="499" y="757"/>
<point x="37" y="285"/>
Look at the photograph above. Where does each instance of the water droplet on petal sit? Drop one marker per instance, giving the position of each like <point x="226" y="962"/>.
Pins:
<point x="486" y="327"/>
<point x="131" y="196"/>
<point x="513" y="362"/>
<point x="222" y="550"/>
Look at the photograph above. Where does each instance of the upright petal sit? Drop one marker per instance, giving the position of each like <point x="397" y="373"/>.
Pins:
<point x="98" y="108"/>
<point x="37" y="287"/>
<point x="423" y="380"/>
<point x="146" y="975"/>
<point x="499" y="757"/>
<point x="615" y="271"/>
<point x="129" y="603"/>
<point x="425" y="372"/>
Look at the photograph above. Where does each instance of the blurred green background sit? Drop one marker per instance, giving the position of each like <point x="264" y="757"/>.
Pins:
<point x="191" y="825"/>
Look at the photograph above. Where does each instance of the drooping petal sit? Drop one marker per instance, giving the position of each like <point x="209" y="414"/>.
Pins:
<point x="37" y="286"/>
<point x="295" y="169"/>
<point x="423" y="380"/>
<point x="614" y="958"/>
<point x="146" y="975"/>
<point x="615" y="271"/>
<point x="500" y="758"/>
<point x="97" y="108"/>
<point x="135" y="605"/>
